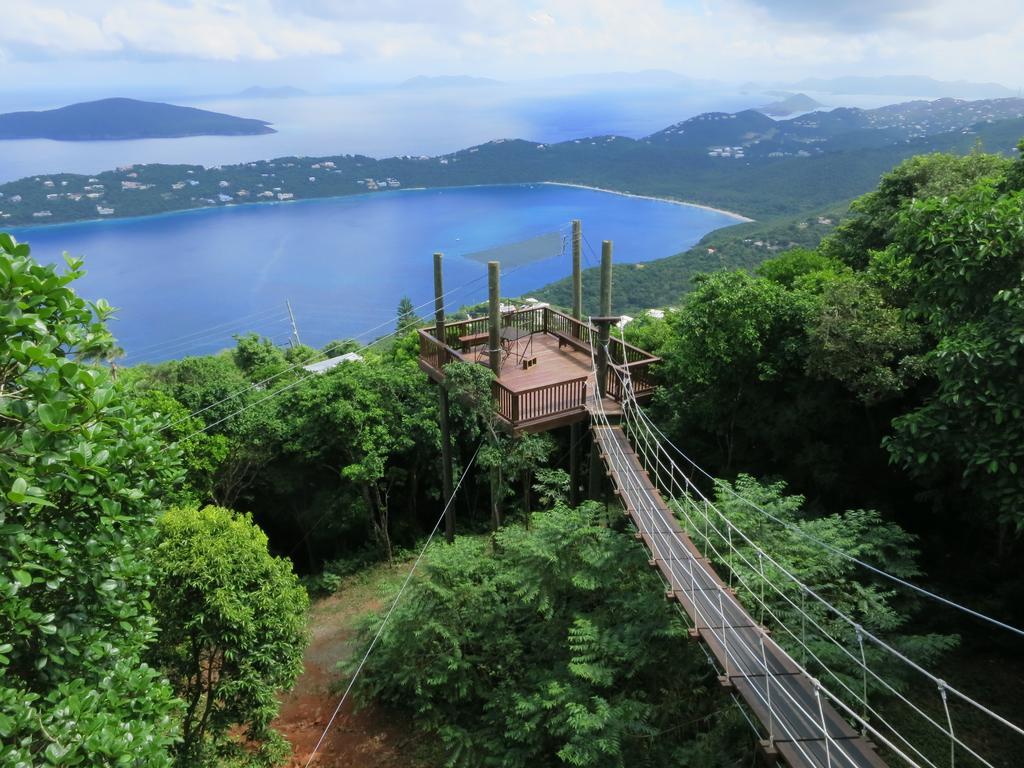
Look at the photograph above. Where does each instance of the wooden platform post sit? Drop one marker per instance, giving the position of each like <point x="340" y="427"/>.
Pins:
<point x="604" y="328"/>
<point x="575" y="432"/>
<point x="575" y="448"/>
<point x="442" y="398"/>
<point x="606" y="278"/>
<point x="494" y="314"/>
<point x="577" y="274"/>
<point x="596" y="473"/>
<point x="496" y="516"/>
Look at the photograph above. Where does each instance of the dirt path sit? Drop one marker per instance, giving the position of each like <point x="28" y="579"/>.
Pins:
<point x="371" y="738"/>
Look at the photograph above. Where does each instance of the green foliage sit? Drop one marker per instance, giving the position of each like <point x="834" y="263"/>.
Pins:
<point x="555" y="648"/>
<point x="877" y="213"/>
<point x="375" y="425"/>
<point x="856" y="337"/>
<point x="216" y="389"/>
<point x="80" y="468"/>
<point x="776" y="599"/>
<point x="258" y="359"/>
<point x="233" y="629"/>
<point x="964" y="263"/>
<point x="733" y="341"/>
<point x="406" y="319"/>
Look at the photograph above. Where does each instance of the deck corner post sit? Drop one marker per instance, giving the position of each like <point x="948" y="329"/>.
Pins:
<point x="606" y="278"/>
<point x="442" y="402"/>
<point x="494" y="316"/>
<point x="577" y="275"/>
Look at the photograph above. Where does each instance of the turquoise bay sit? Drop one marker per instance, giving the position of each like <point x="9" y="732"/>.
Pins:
<point x="185" y="283"/>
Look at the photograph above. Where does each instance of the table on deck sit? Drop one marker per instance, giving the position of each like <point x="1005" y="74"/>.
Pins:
<point x="513" y="344"/>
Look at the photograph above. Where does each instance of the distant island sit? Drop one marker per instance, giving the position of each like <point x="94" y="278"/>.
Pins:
<point x="118" y="119"/>
<point x="790" y="104"/>
<point x="744" y="161"/>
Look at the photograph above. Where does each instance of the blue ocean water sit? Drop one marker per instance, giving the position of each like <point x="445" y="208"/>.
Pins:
<point x="185" y="283"/>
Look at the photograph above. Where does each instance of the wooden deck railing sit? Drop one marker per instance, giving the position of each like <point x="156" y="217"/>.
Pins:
<point x="550" y="400"/>
<point x="435" y="354"/>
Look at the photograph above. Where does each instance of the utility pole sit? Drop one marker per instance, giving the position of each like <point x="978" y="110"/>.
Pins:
<point x="442" y="401"/>
<point x="295" y="328"/>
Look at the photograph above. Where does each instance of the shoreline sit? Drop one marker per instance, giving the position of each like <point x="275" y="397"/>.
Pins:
<point x="739" y="216"/>
<point x="362" y="194"/>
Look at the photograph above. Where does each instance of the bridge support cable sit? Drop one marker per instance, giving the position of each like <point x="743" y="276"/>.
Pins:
<point x="650" y="448"/>
<point x="789" y="709"/>
<point x="391" y="610"/>
<point x="778" y="693"/>
<point x="829" y="547"/>
<point x="857" y="628"/>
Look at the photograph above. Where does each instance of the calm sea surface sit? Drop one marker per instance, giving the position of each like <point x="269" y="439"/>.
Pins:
<point x="184" y="283"/>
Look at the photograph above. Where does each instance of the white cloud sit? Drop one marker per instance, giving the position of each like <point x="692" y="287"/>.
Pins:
<point x="728" y="39"/>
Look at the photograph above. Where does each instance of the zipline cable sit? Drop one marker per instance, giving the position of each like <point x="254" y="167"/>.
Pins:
<point x="391" y="610"/>
<point x="323" y="354"/>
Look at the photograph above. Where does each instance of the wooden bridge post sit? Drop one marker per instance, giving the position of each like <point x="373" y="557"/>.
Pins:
<point x="442" y="402"/>
<point x="604" y="327"/>
<point x="494" y="314"/>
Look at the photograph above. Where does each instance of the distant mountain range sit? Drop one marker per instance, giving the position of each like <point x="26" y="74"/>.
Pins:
<point x="903" y="85"/>
<point x="117" y="119"/>
<point x="752" y="135"/>
<point x="742" y="161"/>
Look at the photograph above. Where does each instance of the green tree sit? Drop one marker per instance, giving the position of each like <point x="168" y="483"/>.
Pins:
<point x="869" y="602"/>
<point x="257" y="358"/>
<point x="218" y="392"/>
<point x="375" y="425"/>
<point x="233" y="630"/>
<point x="554" y="648"/>
<point x="80" y="469"/>
<point x="963" y="261"/>
<point x="876" y="214"/>
<point x="406" y="316"/>
<point x="736" y="342"/>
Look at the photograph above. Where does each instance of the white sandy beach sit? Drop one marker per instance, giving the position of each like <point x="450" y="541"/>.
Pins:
<point x="733" y="214"/>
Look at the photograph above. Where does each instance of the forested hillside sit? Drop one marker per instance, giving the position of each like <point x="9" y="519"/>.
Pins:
<point x="744" y="162"/>
<point x="154" y="518"/>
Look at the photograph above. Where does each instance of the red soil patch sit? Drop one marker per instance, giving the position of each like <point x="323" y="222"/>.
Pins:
<point x="373" y="737"/>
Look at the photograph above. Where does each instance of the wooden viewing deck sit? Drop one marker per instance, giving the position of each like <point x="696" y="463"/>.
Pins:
<point x="804" y="729"/>
<point x="552" y="389"/>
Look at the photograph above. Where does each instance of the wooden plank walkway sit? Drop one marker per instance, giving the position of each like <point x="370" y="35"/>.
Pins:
<point x="793" y="713"/>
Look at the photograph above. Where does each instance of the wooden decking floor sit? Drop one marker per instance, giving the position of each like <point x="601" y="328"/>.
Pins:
<point x="553" y="366"/>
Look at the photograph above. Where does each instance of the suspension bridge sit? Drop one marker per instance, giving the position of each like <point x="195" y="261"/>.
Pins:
<point x="816" y="686"/>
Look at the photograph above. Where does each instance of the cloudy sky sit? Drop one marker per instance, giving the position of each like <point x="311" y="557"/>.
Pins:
<point x="176" y="45"/>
